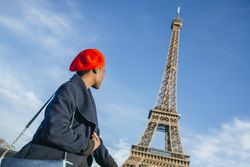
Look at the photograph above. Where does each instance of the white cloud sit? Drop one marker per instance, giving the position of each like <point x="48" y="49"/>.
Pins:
<point x="13" y="24"/>
<point x="56" y="32"/>
<point x="18" y="104"/>
<point x="227" y="146"/>
<point x="57" y="24"/>
<point x="39" y="25"/>
<point x="13" y="90"/>
<point x="119" y="151"/>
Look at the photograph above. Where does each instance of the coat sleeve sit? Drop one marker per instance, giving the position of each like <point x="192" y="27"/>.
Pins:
<point x="56" y="129"/>
<point x="102" y="156"/>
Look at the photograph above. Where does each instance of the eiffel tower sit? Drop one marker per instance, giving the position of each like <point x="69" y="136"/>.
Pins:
<point x="163" y="117"/>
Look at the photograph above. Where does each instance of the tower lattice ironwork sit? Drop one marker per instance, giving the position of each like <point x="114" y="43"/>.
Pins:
<point x="163" y="117"/>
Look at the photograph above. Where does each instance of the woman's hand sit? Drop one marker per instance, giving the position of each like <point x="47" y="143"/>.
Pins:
<point x="97" y="141"/>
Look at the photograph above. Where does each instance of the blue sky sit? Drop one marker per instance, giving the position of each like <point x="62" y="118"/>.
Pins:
<point x="39" y="39"/>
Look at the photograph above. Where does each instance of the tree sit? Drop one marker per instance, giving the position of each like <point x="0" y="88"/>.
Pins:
<point x="4" y="144"/>
<point x="2" y="141"/>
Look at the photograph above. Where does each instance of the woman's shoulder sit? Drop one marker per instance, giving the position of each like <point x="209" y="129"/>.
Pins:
<point x="68" y="88"/>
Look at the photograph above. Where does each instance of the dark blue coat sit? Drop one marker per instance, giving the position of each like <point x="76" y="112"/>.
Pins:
<point x="72" y="102"/>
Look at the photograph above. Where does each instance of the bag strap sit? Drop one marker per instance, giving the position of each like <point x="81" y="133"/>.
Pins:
<point x="26" y="127"/>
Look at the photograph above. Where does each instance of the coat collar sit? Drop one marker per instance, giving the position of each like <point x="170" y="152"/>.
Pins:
<point x="76" y="79"/>
<point x="87" y="107"/>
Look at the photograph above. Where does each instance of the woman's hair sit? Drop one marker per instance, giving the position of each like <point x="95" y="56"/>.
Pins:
<point x="81" y="73"/>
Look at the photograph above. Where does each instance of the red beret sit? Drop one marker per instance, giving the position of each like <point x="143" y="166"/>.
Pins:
<point x="88" y="59"/>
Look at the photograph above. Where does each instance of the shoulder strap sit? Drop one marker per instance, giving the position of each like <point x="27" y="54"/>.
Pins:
<point x="26" y="127"/>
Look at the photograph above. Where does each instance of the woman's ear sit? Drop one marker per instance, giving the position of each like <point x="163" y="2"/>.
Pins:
<point x="96" y="70"/>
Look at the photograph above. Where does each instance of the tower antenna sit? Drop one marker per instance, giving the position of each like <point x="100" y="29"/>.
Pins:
<point x="178" y="12"/>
